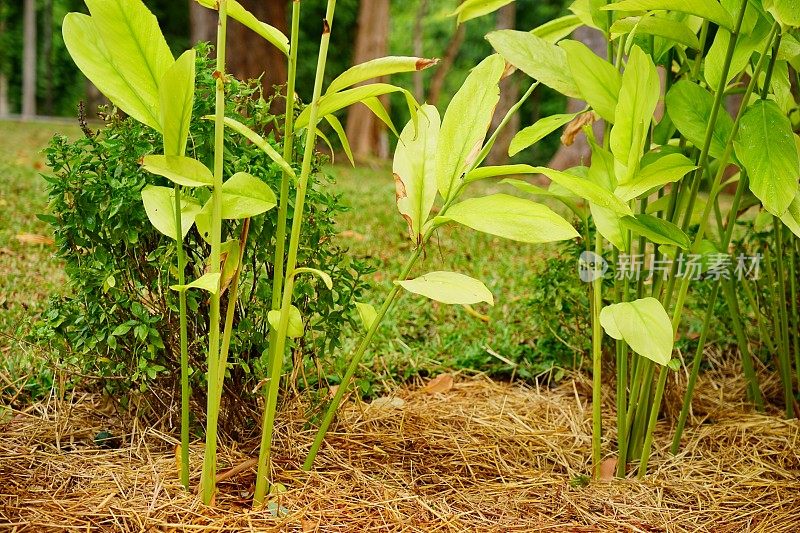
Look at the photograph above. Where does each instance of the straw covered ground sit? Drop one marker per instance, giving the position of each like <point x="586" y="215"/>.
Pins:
<point x="476" y="455"/>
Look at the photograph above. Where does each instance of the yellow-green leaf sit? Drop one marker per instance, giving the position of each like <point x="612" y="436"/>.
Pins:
<point x="378" y="68"/>
<point x="182" y="170"/>
<point x="240" y="14"/>
<point x="208" y="282"/>
<point x="176" y="94"/>
<point x="643" y="324"/>
<point x="295" y="328"/>
<point x="449" y="288"/>
<point x="159" y="204"/>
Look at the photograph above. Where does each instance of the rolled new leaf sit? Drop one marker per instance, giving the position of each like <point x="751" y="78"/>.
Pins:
<point x="449" y="288"/>
<point x="259" y="141"/>
<point x="643" y="324"/>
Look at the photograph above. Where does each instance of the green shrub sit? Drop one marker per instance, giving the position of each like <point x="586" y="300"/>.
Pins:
<point x="120" y="321"/>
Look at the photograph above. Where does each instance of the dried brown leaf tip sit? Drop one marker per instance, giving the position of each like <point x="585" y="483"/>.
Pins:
<point x="574" y="128"/>
<point x="399" y="194"/>
<point x="423" y="63"/>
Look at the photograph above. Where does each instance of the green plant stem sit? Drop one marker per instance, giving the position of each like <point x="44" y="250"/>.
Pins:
<point x="763" y="333"/>
<point x="208" y="481"/>
<point x="291" y="261"/>
<point x="793" y="299"/>
<point x="753" y="390"/>
<point x="262" y="477"/>
<point x="597" y="364"/>
<point x="185" y="391"/>
<point x="663" y="372"/>
<point x="390" y="298"/>
<point x="783" y="318"/>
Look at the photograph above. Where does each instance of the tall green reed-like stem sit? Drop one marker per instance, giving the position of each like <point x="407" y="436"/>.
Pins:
<point x="268" y="420"/>
<point x="210" y="459"/>
<point x="291" y="261"/>
<point x="393" y="293"/>
<point x="597" y="363"/>
<point x="793" y="296"/>
<point x="184" y="342"/>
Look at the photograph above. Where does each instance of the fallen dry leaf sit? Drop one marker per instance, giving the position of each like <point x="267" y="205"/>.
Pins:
<point x="33" y="238"/>
<point x="607" y="469"/>
<point x="387" y="402"/>
<point x="350" y="234"/>
<point x="441" y="383"/>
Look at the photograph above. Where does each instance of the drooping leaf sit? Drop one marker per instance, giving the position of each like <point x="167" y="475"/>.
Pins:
<point x="176" y="94"/>
<point x="246" y="196"/>
<point x="339" y="129"/>
<point x="643" y="324"/>
<point x="511" y="218"/>
<point x="259" y="141"/>
<point x="689" y="106"/>
<point x="539" y="130"/>
<point x="449" y="288"/>
<point x="378" y="68"/>
<point x="554" y="30"/>
<point x="374" y="104"/>
<point x="466" y="121"/>
<point x="710" y="10"/>
<point x="179" y="169"/>
<point x="93" y="58"/>
<point x="667" y="169"/>
<point x="295" y="328"/>
<point x="597" y="79"/>
<point x="326" y="279"/>
<point x="791" y="218"/>
<point x="482" y="173"/>
<point x="159" y="204"/>
<point x="638" y="98"/>
<point x="657" y="230"/>
<point x="470" y="9"/>
<point x="208" y="282"/>
<point x="767" y="150"/>
<point x="539" y="59"/>
<point x="587" y="190"/>
<point x="676" y="31"/>
<point x="367" y="314"/>
<point x="414" y="170"/>
<point x="237" y="12"/>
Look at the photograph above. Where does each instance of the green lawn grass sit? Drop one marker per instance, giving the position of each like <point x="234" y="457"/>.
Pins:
<point x="418" y="337"/>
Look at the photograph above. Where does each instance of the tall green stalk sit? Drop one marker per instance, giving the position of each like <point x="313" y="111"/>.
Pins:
<point x="183" y="341"/>
<point x="208" y="480"/>
<point x="267" y="423"/>
<point x="291" y="261"/>
<point x="597" y="363"/>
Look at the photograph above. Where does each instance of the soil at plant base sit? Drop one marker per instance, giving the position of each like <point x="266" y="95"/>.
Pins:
<point x="476" y="455"/>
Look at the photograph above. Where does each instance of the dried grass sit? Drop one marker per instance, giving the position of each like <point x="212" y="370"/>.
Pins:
<point x="482" y="456"/>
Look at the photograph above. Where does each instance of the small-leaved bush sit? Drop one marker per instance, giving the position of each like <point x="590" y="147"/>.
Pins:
<point x="119" y="320"/>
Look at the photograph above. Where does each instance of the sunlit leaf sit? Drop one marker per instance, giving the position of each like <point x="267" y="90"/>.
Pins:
<point x="159" y="204"/>
<point x="710" y="10"/>
<point x="597" y="79"/>
<point x="539" y="130"/>
<point x="470" y="9"/>
<point x="179" y="169"/>
<point x="689" y="106"/>
<point x="367" y="314"/>
<point x="449" y="288"/>
<point x="657" y="230"/>
<point x="326" y="279"/>
<point x="295" y="328"/>
<point x="176" y="94"/>
<point x="378" y="68"/>
<point x="667" y="169"/>
<point x="643" y="324"/>
<point x="208" y="282"/>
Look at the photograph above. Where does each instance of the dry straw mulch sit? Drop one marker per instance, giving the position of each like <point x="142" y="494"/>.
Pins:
<point x="481" y="456"/>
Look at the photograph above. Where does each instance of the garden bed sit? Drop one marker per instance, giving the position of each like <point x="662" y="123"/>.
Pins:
<point x="480" y="456"/>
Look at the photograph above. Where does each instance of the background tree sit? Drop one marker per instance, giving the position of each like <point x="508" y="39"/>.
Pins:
<point x="509" y="94"/>
<point x="29" y="60"/>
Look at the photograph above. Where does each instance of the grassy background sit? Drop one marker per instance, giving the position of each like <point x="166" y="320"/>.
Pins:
<point x="419" y="337"/>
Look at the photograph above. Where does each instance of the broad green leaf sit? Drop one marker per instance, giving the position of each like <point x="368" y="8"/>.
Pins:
<point x="786" y="12"/>
<point x="237" y="12"/>
<point x="791" y="218"/>
<point x="689" y="106"/>
<point x="415" y="171"/>
<point x="755" y="29"/>
<point x="710" y="10"/>
<point x="538" y="131"/>
<point x="246" y="196"/>
<point x="466" y="121"/>
<point x="667" y="169"/>
<point x="658" y="230"/>
<point x="511" y="218"/>
<point x="177" y="98"/>
<point x="339" y="129"/>
<point x="260" y="142"/>
<point x="470" y="9"/>
<point x="609" y="225"/>
<point x="159" y="204"/>
<point x="295" y="328"/>
<point x="137" y="47"/>
<point x="333" y="102"/>
<point x="449" y="288"/>
<point x="597" y="79"/>
<point x="590" y="14"/>
<point x="326" y="279"/>
<point x="638" y="98"/>
<point x="676" y="31"/>
<point x="179" y="169"/>
<point x="587" y="190"/>
<point x="556" y="29"/>
<point x="94" y="59"/>
<point x="367" y="314"/>
<point x="378" y="68"/>
<point x="208" y="282"/>
<point x="767" y="150"/>
<point x="537" y="58"/>
<point x="643" y="324"/>
<point x="483" y="173"/>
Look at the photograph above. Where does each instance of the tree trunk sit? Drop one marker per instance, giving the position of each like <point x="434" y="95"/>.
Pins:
<point x="4" y="111"/>
<point x="47" y="52"/>
<point x="203" y="22"/>
<point x="509" y="93"/>
<point x="444" y="66"/>
<point x="29" y="60"/>
<point x="579" y="152"/>
<point x="367" y="136"/>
